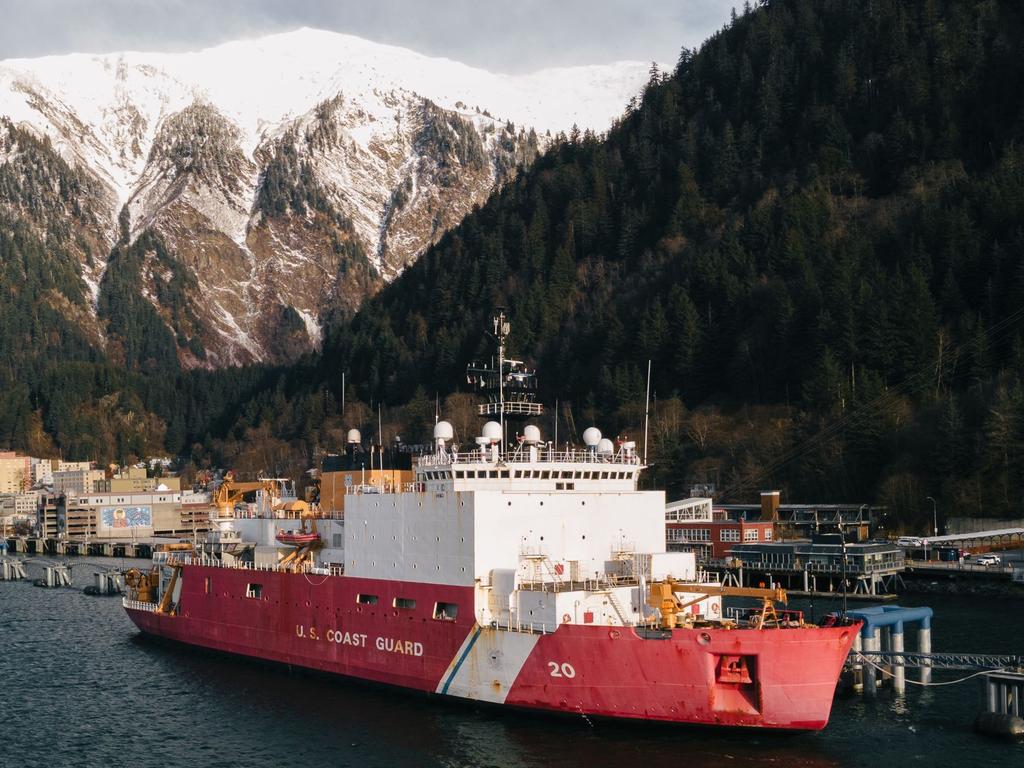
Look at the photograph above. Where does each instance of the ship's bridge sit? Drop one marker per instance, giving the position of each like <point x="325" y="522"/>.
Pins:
<point x="532" y="466"/>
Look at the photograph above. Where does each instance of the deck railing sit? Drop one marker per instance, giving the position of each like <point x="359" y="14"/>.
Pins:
<point x="138" y="605"/>
<point x="544" y="456"/>
<point x="176" y="558"/>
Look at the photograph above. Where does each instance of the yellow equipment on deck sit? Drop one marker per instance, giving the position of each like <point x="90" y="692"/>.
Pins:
<point x="663" y="598"/>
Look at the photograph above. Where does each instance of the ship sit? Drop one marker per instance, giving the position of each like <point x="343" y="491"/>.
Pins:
<point x="511" y="571"/>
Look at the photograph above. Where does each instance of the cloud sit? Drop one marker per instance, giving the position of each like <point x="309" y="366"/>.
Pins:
<point x="507" y="36"/>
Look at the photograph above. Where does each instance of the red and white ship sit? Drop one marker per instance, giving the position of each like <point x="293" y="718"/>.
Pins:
<point x="532" y="577"/>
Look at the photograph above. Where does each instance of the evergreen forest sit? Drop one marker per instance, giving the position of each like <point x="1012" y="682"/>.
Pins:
<point x="812" y="227"/>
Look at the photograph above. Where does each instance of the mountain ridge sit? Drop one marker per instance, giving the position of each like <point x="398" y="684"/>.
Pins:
<point x="381" y="138"/>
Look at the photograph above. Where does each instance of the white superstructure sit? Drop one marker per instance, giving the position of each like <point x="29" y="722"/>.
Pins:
<point x="544" y="535"/>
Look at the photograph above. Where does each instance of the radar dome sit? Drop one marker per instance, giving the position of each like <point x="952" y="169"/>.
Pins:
<point x="443" y="431"/>
<point x="605" y="446"/>
<point x="492" y="430"/>
<point x="531" y="433"/>
<point x="591" y="436"/>
<point x="354" y="436"/>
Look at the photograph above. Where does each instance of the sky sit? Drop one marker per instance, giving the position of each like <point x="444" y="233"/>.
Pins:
<point x="510" y="36"/>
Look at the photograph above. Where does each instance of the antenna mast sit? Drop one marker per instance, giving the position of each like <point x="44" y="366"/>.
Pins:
<point x="501" y="331"/>
<point x="647" y="409"/>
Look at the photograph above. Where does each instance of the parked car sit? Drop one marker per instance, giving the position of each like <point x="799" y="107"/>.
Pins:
<point x="909" y="541"/>
<point x="988" y="560"/>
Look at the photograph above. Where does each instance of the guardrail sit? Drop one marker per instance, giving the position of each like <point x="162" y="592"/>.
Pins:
<point x="946" y="565"/>
<point x="137" y="605"/>
<point x="544" y="455"/>
<point x="175" y="558"/>
<point x="936" y="660"/>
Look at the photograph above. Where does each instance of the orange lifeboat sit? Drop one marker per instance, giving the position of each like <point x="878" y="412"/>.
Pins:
<point x="297" y="538"/>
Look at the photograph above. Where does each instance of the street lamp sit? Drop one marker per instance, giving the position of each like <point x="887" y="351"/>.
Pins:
<point x="935" y="517"/>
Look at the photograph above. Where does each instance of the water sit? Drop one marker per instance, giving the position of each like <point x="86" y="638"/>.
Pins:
<point x="81" y="688"/>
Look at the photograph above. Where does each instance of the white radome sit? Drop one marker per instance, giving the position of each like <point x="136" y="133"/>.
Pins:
<point x="605" y="446"/>
<point x="531" y="433"/>
<point x="591" y="436"/>
<point x="355" y="436"/>
<point x="492" y="430"/>
<point x="443" y="431"/>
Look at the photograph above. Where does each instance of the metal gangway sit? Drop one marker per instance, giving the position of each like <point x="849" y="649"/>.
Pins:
<point x="962" y="661"/>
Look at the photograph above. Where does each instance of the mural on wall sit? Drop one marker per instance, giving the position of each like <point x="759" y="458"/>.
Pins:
<point x="126" y="517"/>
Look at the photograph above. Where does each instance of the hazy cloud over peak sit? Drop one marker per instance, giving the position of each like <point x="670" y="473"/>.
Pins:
<point x="507" y="36"/>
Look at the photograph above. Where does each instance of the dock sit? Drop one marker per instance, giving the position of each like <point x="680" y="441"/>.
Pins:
<point x="137" y="548"/>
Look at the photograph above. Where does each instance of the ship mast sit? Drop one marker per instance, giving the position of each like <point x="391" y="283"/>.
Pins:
<point x="509" y="388"/>
<point x="501" y="330"/>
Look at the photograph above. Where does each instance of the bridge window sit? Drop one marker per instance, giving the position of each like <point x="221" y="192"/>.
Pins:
<point x="446" y="611"/>
<point x="366" y="599"/>
<point x="405" y="602"/>
<point x="254" y="591"/>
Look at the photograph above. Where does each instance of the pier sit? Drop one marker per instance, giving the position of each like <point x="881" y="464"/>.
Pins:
<point x="1003" y="695"/>
<point x="134" y="548"/>
<point x="883" y="631"/>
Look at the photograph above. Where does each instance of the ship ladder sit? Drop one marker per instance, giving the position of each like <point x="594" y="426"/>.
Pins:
<point x="555" y="577"/>
<point x="614" y="602"/>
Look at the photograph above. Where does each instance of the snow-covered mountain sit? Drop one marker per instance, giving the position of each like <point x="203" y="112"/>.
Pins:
<point x="283" y="178"/>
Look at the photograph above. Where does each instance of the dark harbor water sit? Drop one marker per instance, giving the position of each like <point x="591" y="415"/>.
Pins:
<point x="81" y="688"/>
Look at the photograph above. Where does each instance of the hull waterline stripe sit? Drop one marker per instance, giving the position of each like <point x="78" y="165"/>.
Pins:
<point x="462" y="658"/>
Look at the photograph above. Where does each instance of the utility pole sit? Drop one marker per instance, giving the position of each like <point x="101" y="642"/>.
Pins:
<point x="935" y="516"/>
<point x="842" y="538"/>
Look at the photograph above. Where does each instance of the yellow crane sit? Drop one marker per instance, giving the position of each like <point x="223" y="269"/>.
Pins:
<point x="231" y="492"/>
<point x="663" y="598"/>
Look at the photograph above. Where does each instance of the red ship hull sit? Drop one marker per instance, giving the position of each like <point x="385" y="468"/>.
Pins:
<point x="772" y="678"/>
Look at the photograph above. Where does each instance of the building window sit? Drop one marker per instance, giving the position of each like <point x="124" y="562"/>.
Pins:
<point x="254" y="591"/>
<point x="696" y="534"/>
<point x="767" y="534"/>
<point x="405" y="602"/>
<point x="729" y="534"/>
<point x="446" y="611"/>
<point x="750" y="534"/>
<point x="338" y="540"/>
<point x="366" y="599"/>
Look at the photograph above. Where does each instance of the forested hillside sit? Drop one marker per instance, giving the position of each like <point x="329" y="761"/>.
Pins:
<point x="813" y="227"/>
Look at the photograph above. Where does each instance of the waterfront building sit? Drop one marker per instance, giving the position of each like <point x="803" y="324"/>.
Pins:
<point x="15" y="472"/>
<point x="76" y="481"/>
<point x="693" y="525"/>
<point x="822" y="555"/>
<point x="41" y="471"/>
<point x="133" y="515"/>
<point x="135" y="480"/>
<point x="20" y="504"/>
